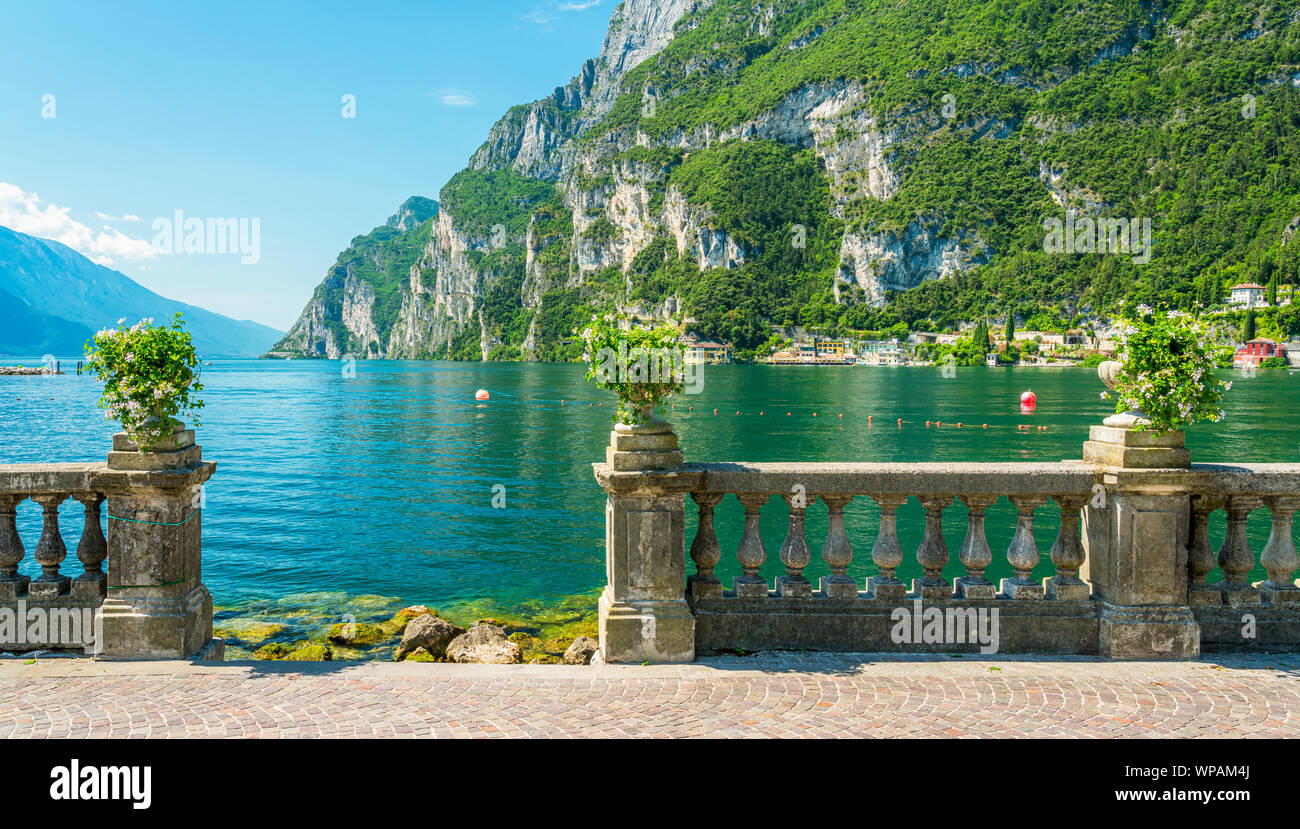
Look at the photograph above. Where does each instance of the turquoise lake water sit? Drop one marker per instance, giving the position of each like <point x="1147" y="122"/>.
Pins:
<point x="329" y="488"/>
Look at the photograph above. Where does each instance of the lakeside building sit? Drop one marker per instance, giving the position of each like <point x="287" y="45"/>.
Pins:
<point x="882" y="353"/>
<point x="1247" y="295"/>
<point x="1256" y="351"/>
<point x="708" y="353"/>
<point x="819" y="352"/>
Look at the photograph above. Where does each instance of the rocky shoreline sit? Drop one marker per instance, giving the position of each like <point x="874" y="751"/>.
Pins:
<point x="560" y="632"/>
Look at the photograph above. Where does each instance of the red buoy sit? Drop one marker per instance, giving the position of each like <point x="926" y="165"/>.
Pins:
<point x="481" y="394"/>
<point x="1028" y="399"/>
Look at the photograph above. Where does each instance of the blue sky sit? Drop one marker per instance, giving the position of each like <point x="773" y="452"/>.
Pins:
<point x="235" y="110"/>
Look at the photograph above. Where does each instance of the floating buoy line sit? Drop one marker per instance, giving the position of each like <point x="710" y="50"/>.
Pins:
<point x="1027" y="405"/>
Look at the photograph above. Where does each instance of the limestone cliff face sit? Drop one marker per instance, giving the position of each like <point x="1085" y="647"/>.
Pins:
<point x="567" y="192"/>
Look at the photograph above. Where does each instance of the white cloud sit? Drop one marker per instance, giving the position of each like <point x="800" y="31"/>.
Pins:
<point x="457" y="98"/>
<point x="25" y="213"/>
<point x="129" y="217"/>
<point x="546" y="14"/>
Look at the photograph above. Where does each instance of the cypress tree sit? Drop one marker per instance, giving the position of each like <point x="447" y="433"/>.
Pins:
<point x="1248" y="326"/>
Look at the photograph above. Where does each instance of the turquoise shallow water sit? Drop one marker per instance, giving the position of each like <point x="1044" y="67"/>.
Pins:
<point x="329" y="489"/>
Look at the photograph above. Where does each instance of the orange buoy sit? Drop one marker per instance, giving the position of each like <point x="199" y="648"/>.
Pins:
<point x="868" y="419"/>
<point x="715" y="411"/>
<point x="986" y="426"/>
<point x="561" y="402"/>
<point x="814" y="414"/>
<point x="481" y="394"/>
<point x="787" y="414"/>
<point x="692" y="408"/>
<point x="938" y="423"/>
<point x="900" y="423"/>
<point x="959" y="425"/>
<point x="760" y="414"/>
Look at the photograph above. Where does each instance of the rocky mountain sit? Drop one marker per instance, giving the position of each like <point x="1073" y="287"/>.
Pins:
<point x="52" y="299"/>
<point x="849" y="165"/>
<point x="354" y="309"/>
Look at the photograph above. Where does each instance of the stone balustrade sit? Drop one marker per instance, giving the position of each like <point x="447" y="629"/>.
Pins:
<point x="140" y="594"/>
<point x="1129" y="561"/>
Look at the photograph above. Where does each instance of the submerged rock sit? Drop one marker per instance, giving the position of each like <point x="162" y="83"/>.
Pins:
<point x="301" y="652"/>
<point x="356" y="634"/>
<point x="485" y="644"/>
<point x="274" y="650"/>
<point x="420" y="655"/>
<point x="581" y="651"/>
<point x="311" y="652"/>
<point x="248" y="631"/>
<point x="427" y="632"/>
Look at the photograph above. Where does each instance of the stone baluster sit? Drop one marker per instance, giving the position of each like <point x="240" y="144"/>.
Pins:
<point x="795" y="554"/>
<point x="1279" y="556"/>
<point x="1023" y="552"/>
<point x="91" y="550"/>
<point x="837" y="552"/>
<point x="1200" y="555"/>
<point x="887" y="553"/>
<point x="1067" y="554"/>
<point x="50" y="551"/>
<point x="751" y="554"/>
<point x="12" y="585"/>
<point x="1235" y="556"/>
<point x="932" y="554"/>
<point x="975" y="554"/>
<point x="705" y="551"/>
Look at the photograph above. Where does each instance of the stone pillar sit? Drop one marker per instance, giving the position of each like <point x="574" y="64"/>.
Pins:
<point x="1136" y="546"/>
<point x="157" y="606"/>
<point x="644" y="615"/>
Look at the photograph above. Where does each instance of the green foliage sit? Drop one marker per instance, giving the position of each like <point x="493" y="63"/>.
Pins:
<point x="1167" y="362"/>
<point x="1274" y="362"/>
<point x="149" y="377"/>
<point x="480" y="201"/>
<point x="643" y="365"/>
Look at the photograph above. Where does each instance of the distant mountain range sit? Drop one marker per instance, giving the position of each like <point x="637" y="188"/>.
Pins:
<point x="52" y="299"/>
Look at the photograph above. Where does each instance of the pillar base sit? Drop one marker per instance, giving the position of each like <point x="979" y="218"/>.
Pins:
<point x="888" y="590"/>
<point x="974" y="589"/>
<point x="646" y="631"/>
<point x="155" y="626"/>
<point x="1153" y="632"/>
<point x="1122" y="447"/>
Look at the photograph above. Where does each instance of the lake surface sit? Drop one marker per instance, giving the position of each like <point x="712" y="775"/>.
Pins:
<point x="377" y="490"/>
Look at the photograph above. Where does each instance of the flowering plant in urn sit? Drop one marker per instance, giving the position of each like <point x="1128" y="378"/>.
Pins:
<point x="643" y="365"/>
<point x="1164" y="377"/>
<point x="149" y="377"/>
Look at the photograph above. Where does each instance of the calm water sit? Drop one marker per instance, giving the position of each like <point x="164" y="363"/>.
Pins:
<point x="383" y="484"/>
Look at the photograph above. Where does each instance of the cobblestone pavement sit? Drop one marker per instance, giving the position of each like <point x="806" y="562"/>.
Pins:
<point x="783" y="695"/>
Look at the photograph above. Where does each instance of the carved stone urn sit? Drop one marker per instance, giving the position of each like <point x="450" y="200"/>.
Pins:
<point x="1117" y="443"/>
<point x="1108" y="372"/>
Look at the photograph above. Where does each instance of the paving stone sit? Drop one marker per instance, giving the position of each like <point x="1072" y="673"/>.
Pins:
<point x="778" y="694"/>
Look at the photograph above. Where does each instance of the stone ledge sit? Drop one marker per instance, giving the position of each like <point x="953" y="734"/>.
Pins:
<point x="774" y="623"/>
